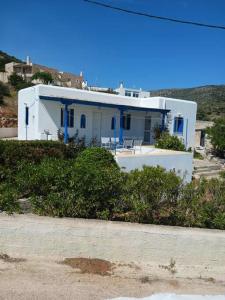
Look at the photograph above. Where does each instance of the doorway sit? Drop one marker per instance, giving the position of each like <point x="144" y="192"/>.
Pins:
<point x="147" y="130"/>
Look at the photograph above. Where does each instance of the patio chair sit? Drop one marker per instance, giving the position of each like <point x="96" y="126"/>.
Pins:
<point x="128" y="144"/>
<point x="137" y="143"/>
<point x="105" y="142"/>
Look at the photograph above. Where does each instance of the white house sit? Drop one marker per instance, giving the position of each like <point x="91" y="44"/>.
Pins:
<point x="130" y="92"/>
<point x="44" y="109"/>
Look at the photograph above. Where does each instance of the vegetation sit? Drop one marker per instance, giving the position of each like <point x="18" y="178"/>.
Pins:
<point x="72" y="181"/>
<point x="18" y="82"/>
<point x="44" y="77"/>
<point x="210" y="99"/>
<point x="4" y="91"/>
<point x="6" y="58"/>
<point x="217" y="136"/>
<point x="170" y="142"/>
<point x="198" y="155"/>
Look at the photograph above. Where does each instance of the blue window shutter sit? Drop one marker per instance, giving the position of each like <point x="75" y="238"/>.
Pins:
<point x="62" y="121"/>
<point x="180" y="125"/>
<point x="27" y="115"/>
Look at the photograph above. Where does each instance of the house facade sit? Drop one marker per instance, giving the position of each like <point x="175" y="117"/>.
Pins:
<point x="130" y="92"/>
<point x="43" y="110"/>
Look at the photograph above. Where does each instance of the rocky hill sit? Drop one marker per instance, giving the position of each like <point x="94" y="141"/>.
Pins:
<point x="210" y="99"/>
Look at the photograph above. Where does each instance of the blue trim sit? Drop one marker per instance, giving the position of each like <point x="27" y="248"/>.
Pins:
<point x="66" y="124"/>
<point x="94" y="103"/>
<point x="121" y="127"/>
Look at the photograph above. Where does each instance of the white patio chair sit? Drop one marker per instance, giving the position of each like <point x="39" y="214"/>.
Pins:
<point x="128" y="144"/>
<point x="105" y="142"/>
<point x="137" y="143"/>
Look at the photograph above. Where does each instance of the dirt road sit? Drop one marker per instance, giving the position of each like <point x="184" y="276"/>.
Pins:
<point x="46" y="258"/>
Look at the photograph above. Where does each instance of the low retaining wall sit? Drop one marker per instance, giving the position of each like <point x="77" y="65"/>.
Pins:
<point x="196" y="252"/>
<point x="8" y="132"/>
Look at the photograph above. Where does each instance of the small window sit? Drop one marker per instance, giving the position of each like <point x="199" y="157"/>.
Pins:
<point x="135" y="94"/>
<point x="70" y="117"/>
<point x="113" y="121"/>
<point x="126" y="122"/>
<point x="178" y="125"/>
<point x="27" y="115"/>
<point x="83" y="121"/>
<point x="128" y="93"/>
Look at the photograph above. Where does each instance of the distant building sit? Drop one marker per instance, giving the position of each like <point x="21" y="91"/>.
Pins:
<point x="136" y="93"/>
<point x="201" y="140"/>
<point x="28" y="69"/>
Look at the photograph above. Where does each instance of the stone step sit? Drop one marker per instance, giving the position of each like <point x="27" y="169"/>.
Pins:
<point x="210" y="167"/>
<point x="207" y="173"/>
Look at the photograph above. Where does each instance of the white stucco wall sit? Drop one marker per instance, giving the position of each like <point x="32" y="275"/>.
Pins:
<point x="180" y="162"/>
<point x="188" y="110"/>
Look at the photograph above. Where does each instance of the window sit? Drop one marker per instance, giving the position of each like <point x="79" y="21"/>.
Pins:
<point x="135" y="94"/>
<point x="128" y="93"/>
<point x="83" y="121"/>
<point x="178" y="125"/>
<point x="126" y="122"/>
<point x="113" y="121"/>
<point x="70" y="117"/>
<point x="27" y="115"/>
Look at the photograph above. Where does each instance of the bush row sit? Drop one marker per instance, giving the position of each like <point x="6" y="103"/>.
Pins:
<point x="91" y="185"/>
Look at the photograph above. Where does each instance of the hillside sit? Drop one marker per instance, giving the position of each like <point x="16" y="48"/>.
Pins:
<point x="6" y="58"/>
<point x="210" y="99"/>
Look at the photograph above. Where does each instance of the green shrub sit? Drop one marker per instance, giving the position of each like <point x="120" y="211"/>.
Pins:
<point x="88" y="186"/>
<point x="13" y="152"/>
<point x="151" y="195"/>
<point x="50" y="175"/>
<point x="8" y="199"/>
<point x="96" y="183"/>
<point x="167" y="141"/>
<point x="217" y="136"/>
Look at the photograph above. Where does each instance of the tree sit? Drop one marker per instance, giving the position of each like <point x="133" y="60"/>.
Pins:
<point x="44" y="77"/>
<point x="18" y="82"/>
<point x="217" y="136"/>
<point x="15" y="80"/>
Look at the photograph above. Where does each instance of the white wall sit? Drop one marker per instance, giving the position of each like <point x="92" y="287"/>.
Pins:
<point x="8" y="132"/>
<point x="27" y="97"/>
<point x="181" y="162"/>
<point x="187" y="109"/>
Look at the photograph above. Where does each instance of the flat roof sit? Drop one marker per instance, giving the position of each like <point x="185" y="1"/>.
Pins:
<point x="69" y="96"/>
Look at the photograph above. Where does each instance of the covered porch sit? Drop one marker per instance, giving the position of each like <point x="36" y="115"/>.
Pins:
<point x="114" y="121"/>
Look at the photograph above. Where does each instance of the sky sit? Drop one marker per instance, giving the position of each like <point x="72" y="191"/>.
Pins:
<point x="110" y="46"/>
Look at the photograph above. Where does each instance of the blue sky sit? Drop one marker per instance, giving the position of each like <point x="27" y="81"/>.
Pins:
<point x="110" y="46"/>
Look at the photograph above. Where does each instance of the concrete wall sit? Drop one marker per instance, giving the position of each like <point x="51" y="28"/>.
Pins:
<point x="8" y="132"/>
<point x="196" y="252"/>
<point x="181" y="162"/>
